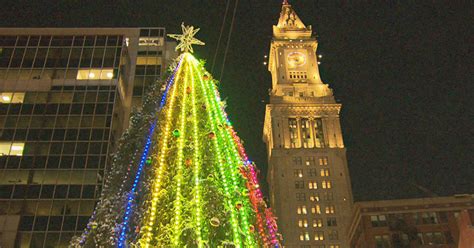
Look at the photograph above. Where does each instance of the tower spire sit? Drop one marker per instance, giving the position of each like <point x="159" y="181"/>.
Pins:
<point x="285" y="2"/>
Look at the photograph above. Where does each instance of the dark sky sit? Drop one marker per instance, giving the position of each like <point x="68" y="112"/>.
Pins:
<point x="401" y="69"/>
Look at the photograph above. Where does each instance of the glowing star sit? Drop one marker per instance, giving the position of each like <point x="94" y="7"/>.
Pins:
<point x="186" y="40"/>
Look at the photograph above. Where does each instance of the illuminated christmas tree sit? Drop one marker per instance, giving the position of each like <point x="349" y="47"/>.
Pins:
<point x="180" y="177"/>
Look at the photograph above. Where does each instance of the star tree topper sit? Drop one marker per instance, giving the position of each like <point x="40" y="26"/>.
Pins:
<point x="186" y="40"/>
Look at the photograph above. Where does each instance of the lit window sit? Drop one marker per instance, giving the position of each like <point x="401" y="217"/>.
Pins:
<point x="323" y="161"/>
<point x="319" y="236"/>
<point x="378" y="220"/>
<point x="12" y="97"/>
<point x="303" y="223"/>
<point x="314" y="197"/>
<point x="312" y="185"/>
<point x="298" y="173"/>
<point x="333" y="246"/>
<point x="382" y="241"/>
<point x="306" y="133"/>
<point x="306" y="236"/>
<point x="316" y="209"/>
<point x="330" y="209"/>
<point x="426" y="218"/>
<point x="309" y="161"/>
<point x="317" y="223"/>
<point x="326" y="184"/>
<point x="148" y="60"/>
<point x="12" y="149"/>
<point x="324" y="172"/>
<point x="95" y="74"/>
<point x="293" y="125"/>
<point x="319" y="134"/>
<point x="301" y="210"/>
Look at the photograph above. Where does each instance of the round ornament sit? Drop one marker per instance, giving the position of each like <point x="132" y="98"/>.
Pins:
<point x="215" y="222"/>
<point x="211" y="135"/>
<point x="176" y="133"/>
<point x="188" y="162"/>
<point x="238" y="205"/>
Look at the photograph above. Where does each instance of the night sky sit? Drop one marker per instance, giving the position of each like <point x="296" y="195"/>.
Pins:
<point x="401" y="70"/>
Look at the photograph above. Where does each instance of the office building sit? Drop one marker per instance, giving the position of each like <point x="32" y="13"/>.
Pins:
<point x="65" y="98"/>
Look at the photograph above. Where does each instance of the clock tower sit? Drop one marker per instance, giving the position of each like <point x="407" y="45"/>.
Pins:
<point x="309" y="180"/>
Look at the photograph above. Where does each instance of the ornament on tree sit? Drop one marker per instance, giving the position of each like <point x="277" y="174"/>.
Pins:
<point x="211" y="135"/>
<point x="215" y="222"/>
<point x="238" y="205"/>
<point x="205" y="77"/>
<point x="176" y="133"/>
<point x="188" y="90"/>
<point x="188" y="162"/>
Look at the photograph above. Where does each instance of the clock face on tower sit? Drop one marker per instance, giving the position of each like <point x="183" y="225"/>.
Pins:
<point x="295" y="59"/>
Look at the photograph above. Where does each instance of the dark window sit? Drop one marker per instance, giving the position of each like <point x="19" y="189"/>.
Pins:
<point x="26" y="223"/>
<point x="41" y="223"/>
<point x="82" y="148"/>
<point x="66" y="162"/>
<point x="53" y="162"/>
<point x="71" y="134"/>
<point x="97" y="134"/>
<point x="61" y="191"/>
<point x="39" y="109"/>
<point x="74" y="191"/>
<point x="88" y="191"/>
<point x="59" y="134"/>
<point x="88" y="109"/>
<point x="84" y="134"/>
<point x="7" y="134"/>
<point x="45" y="134"/>
<point x="76" y="109"/>
<point x="19" y="192"/>
<point x="101" y="109"/>
<point x="55" y="223"/>
<point x="40" y="162"/>
<point x="82" y="222"/>
<point x="47" y="191"/>
<point x="26" y="162"/>
<point x="5" y="191"/>
<point x="80" y="162"/>
<point x="20" y="134"/>
<point x="93" y="162"/>
<point x="13" y="162"/>
<point x="33" y="191"/>
<point x="52" y="109"/>
<point x="68" y="147"/>
<point x="69" y="223"/>
<point x="95" y="147"/>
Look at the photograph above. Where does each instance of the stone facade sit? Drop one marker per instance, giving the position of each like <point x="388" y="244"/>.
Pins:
<point x="308" y="176"/>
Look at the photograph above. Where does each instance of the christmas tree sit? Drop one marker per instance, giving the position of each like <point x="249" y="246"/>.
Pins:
<point x="180" y="177"/>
